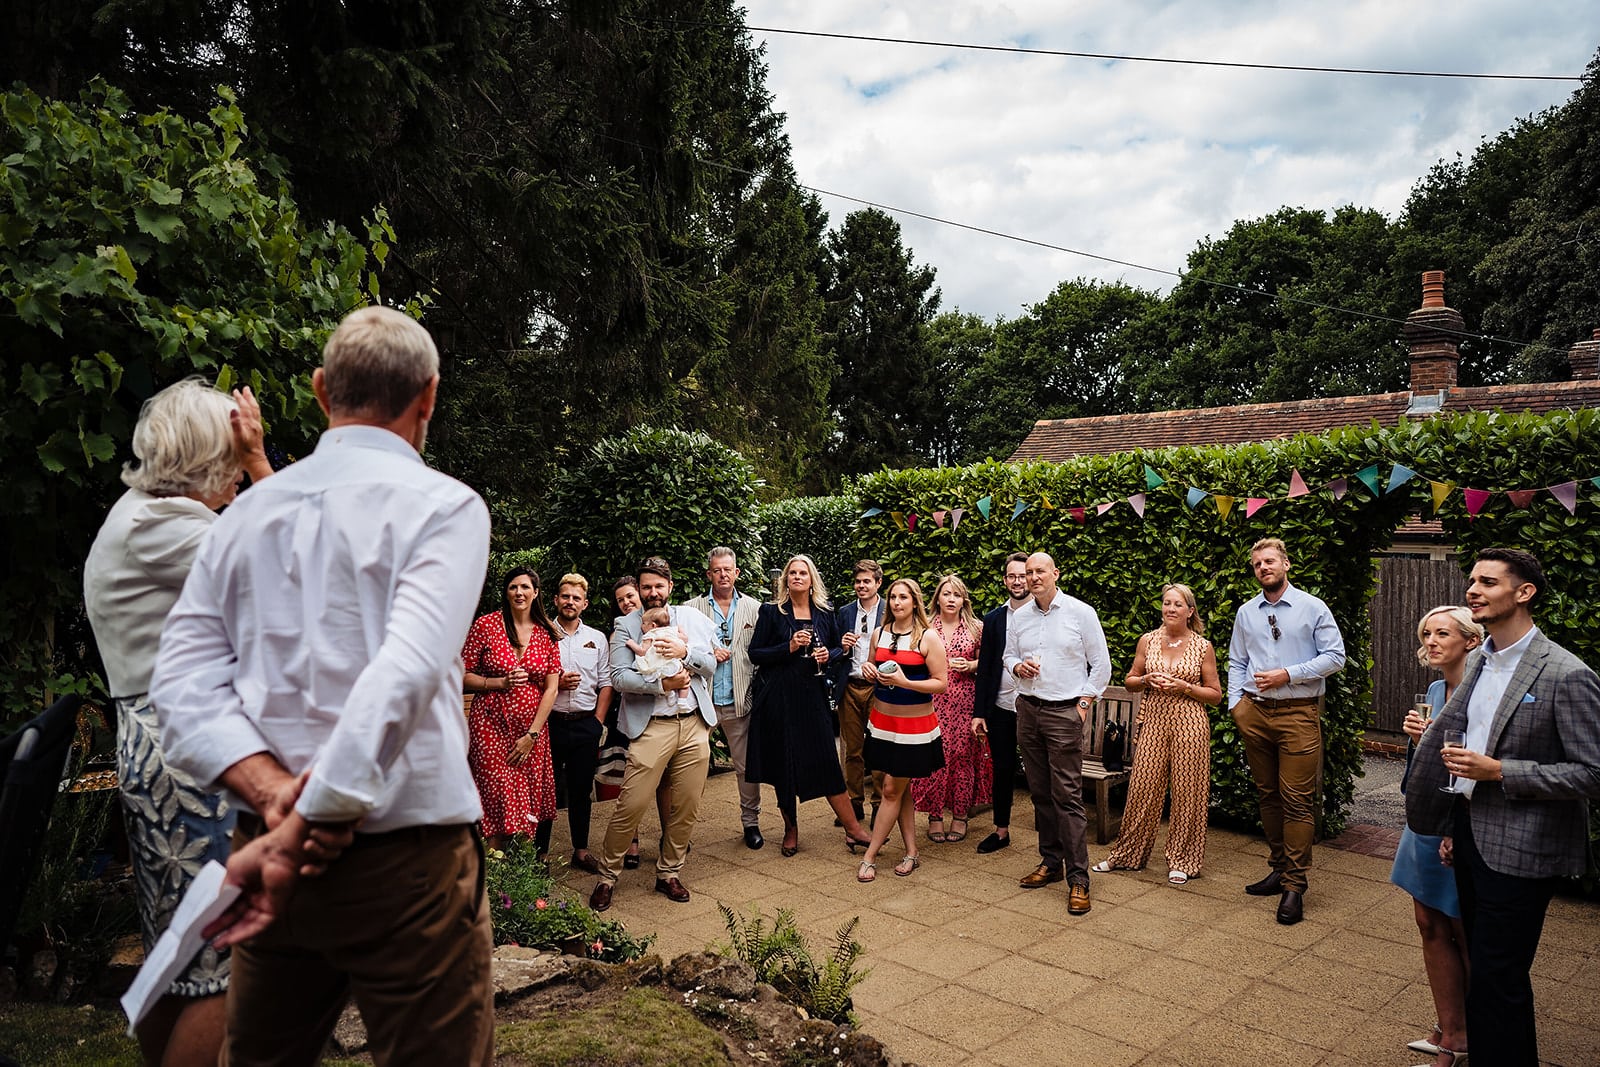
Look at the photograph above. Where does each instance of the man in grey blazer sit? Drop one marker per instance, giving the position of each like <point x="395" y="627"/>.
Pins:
<point x="1514" y="797"/>
<point x="665" y="744"/>
<point x="733" y="617"/>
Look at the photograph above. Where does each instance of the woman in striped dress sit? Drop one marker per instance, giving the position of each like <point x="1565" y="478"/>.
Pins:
<point x="907" y="667"/>
<point x="1176" y="669"/>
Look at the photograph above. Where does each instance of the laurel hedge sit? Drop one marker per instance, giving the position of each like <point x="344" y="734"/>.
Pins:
<point x="1118" y="561"/>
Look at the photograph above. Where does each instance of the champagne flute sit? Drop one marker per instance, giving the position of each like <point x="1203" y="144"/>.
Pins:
<point x="1453" y="739"/>
<point x="1423" y="707"/>
<point x="811" y="647"/>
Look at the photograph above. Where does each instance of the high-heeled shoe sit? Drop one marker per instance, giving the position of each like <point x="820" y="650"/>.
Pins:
<point x="1457" y="1059"/>
<point x="852" y="843"/>
<point x="791" y="840"/>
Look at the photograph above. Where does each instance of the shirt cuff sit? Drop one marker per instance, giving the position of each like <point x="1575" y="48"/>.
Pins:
<point x="322" y="802"/>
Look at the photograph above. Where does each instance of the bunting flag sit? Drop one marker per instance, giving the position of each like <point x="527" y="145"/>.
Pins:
<point x="1136" y="502"/>
<point x="1368" y="477"/>
<point x="955" y="518"/>
<point x="1297" y="485"/>
<point x="1101" y="509"/>
<point x="1398" y="477"/>
<point x="1476" y="498"/>
<point x="1046" y="502"/>
<point x="1016" y="513"/>
<point x="1224" y="505"/>
<point x="911" y="522"/>
<point x="1340" y="487"/>
<point x="938" y="518"/>
<point x="1253" y="505"/>
<point x="1152" y="480"/>
<point x="983" y="507"/>
<point x="1077" y="516"/>
<point x="1195" y="495"/>
<point x="1595" y="481"/>
<point x="899" y="518"/>
<point x="1522" y="497"/>
<point x="1441" y="490"/>
<point x="1567" y="493"/>
<point x="871" y="512"/>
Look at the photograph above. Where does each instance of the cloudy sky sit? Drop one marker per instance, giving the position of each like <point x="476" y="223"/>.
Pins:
<point x="1139" y="161"/>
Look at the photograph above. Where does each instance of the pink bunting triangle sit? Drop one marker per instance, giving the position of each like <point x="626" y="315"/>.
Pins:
<point x="1253" y="504"/>
<point x="1522" y="497"/>
<point x="1340" y="487"/>
<point x="1136" y="501"/>
<point x="1077" y="515"/>
<point x="1567" y="493"/>
<point x="1476" y="499"/>
<point x="1101" y="509"/>
<point x="938" y="518"/>
<point x="1297" y="485"/>
<point x="955" y="518"/>
<point x="911" y="522"/>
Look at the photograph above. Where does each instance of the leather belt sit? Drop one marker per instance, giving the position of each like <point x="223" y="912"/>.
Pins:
<point x="678" y="715"/>
<point x="572" y="716"/>
<point x="1070" y="702"/>
<point x="252" y="825"/>
<point x="1286" y="702"/>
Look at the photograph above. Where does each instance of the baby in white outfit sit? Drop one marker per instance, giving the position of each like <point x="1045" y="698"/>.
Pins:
<point x="651" y="662"/>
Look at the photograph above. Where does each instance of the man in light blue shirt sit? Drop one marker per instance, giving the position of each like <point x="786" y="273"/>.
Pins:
<point x="1285" y="645"/>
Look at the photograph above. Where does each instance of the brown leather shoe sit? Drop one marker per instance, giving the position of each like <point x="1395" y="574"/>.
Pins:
<point x="673" y="890"/>
<point x="584" y="861"/>
<point x="1042" y="875"/>
<point x="1078" y="900"/>
<point x="600" y="899"/>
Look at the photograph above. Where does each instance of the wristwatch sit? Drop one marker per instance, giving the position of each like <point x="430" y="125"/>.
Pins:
<point x="1084" y="703"/>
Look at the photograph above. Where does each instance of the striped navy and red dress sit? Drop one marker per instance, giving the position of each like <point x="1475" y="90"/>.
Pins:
<point x="904" y="745"/>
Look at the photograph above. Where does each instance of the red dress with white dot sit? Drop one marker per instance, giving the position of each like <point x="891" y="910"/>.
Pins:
<point x="515" y="799"/>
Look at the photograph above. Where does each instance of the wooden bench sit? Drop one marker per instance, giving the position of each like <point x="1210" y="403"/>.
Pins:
<point x="1116" y="705"/>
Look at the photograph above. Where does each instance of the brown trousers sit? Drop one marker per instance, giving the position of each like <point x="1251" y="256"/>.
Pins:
<point x="1284" y="748"/>
<point x="400" y="922"/>
<point x="854" y="706"/>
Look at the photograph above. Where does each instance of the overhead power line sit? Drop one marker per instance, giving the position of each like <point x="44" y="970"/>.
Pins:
<point x="1120" y="58"/>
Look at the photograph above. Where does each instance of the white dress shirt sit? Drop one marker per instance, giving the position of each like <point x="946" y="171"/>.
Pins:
<point x="1068" y="644"/>
<point x="587" y="651"/>
<point x="323" y="623"/>
<point x="1487" y="692"/>
<point x="133" y="576"/>
<point x="1006" y="696"/>
<point x="863" y="647"/>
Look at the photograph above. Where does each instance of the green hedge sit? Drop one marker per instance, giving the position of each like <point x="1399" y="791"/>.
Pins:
<point x="822" y="527"/>
<point x="1118" y="561"/>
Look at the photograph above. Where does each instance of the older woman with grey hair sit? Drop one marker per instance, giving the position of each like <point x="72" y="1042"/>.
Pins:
<point x="191" y="446"/>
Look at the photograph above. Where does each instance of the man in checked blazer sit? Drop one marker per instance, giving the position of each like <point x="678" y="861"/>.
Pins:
<point x="1518" y="818"/>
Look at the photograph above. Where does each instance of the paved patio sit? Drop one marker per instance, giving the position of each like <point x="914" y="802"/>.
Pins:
<point x="970" y="969"/>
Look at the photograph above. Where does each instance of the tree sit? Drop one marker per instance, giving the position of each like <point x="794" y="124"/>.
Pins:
<point x="959" y="344"/>
<point x="135" y="250"/>
<point x="884" y="398"/>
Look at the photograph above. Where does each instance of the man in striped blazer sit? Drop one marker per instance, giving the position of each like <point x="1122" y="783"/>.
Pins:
<point x="1514" y="796"/>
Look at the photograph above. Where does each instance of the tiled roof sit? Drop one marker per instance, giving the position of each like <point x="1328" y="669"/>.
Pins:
<point x="1059" y="439"/>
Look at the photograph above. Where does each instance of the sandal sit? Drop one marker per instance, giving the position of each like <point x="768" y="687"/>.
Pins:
<point x="907" y="865"/>
<point x="868" y="871"/>
<point x="956" y="835"/>
<point x="1103" y="867"/>
<point x="936" y="836"/>
<point x="1177" y="878"/>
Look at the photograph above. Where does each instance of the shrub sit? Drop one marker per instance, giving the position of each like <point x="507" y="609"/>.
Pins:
<point x="663" y="492"/>
<point x="531" y="558"/>
<point x="822" y="527"/>
<point x="531" y="908"/>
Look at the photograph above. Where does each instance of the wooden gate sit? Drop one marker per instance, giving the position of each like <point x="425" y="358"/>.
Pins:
<point x="1407" y="586"/>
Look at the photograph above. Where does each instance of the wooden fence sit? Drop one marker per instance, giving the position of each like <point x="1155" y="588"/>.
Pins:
<point x="1407" y="586"/>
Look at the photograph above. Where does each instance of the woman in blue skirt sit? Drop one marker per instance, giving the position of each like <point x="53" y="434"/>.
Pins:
<point x="1446" y="635"/>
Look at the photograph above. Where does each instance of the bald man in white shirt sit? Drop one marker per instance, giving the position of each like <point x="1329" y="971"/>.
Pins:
<point x="312" y="667"/>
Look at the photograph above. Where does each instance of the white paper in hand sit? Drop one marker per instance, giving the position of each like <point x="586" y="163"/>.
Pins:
<point x="209" y="896"/>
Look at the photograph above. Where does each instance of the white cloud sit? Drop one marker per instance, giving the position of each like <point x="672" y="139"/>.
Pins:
<point x="1132" y="160"/>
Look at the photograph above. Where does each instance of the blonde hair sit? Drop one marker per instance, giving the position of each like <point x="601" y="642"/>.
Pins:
<point x="377" y="362"/>
<point x="965" y="618"/>
<point x="1196" y="624"/>
<point x="819" y="591"/>
<point x="1273" y="543"/>
<point x="1465" y="625"/>
<point x="919" y="611"/>
<point x="574" y="579"/>
<point x="183" y="442"/>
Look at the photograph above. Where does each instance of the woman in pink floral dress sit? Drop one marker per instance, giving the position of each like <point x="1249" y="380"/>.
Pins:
<point x="967" y="779"/>
<point x="514" y="668"/>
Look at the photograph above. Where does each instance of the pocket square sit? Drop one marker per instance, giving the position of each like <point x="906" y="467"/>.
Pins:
<point x="1527" y="698"/>
<point x="589" y="645"/>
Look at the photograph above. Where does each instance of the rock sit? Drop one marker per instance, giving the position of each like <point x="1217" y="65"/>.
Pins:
<point x="646" y="970"/>
<point x="517" y="952"/>
<point x="727" y="978"/>
<point x="517" y="974"/>
<point x="350" y="1033"/>
<point x="42" y="971"/>
<point x="590" y="974"/>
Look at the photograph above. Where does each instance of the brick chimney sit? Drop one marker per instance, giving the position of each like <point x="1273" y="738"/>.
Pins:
<point x="1431" y="333"/>
<point x="1584" y="359"/>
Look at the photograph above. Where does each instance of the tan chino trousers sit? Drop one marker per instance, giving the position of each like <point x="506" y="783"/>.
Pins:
<point x="674" y="749"/>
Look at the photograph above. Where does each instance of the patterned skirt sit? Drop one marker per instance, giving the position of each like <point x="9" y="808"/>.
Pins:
<point x="174" y="829"/>
<point x="906" y="746"/>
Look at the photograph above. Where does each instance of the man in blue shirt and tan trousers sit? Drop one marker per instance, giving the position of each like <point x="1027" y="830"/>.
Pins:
<point x="1285" y="645"/>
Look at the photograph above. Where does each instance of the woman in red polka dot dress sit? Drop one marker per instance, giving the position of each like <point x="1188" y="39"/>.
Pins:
<point x="513" y="667"/>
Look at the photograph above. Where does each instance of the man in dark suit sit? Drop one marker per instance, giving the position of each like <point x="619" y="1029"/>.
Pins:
<point x="994" y="707"/>
<point x="1517" y="799"/>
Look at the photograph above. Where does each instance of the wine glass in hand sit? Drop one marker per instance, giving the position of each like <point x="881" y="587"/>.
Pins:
<point x="1453" y="739"/>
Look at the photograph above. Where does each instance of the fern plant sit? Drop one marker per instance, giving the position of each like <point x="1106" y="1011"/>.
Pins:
<point x="780" y="956"/>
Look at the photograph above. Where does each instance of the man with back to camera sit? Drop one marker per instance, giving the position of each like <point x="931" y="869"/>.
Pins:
<point x="1513" y="796"/>
<point x="1285" y="646"/>
<point x="994" y="713"/>
<point x="1056" y="651"/>
<point x="313" y="666"/>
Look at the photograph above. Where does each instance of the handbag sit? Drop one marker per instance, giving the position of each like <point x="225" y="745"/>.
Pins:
<point x="1114" y="747"/>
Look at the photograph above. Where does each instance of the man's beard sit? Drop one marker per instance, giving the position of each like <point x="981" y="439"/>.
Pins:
<point x="654" y="601"/>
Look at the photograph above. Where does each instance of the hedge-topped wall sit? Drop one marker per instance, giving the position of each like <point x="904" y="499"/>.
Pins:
<point x="1117" y="561"/>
